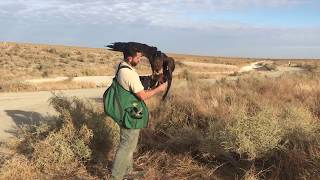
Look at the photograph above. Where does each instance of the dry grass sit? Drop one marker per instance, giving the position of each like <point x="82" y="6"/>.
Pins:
<point x="211" y="59"/>
<point x="241" y="61"/>
<point x="24" y="61"/>
<point x="163" y="165"/>
<point x="76" y="143"/>
<point x="21" y="61"/>
<point x="18" y="167"/>
<point x="254" y="127"/>
<point x="18" y="86"/>
<point x="251" y="128"/>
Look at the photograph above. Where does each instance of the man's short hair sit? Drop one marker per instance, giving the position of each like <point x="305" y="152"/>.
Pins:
<point x="132" y="51"/>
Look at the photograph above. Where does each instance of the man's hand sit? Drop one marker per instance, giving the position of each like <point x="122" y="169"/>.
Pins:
<point x="162" y="87"/>
<point x="145" y="94"/>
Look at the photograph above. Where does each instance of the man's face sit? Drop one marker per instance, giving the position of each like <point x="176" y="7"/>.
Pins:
<point x="134" y="61"/>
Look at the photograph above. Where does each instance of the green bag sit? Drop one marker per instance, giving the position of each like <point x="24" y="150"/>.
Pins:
<point x="124" y="107"/>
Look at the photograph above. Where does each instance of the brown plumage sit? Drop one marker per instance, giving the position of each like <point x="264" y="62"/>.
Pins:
<point x="152" y="81"/>
<point x="147" y="51"/>
<point x="157" y="59"/>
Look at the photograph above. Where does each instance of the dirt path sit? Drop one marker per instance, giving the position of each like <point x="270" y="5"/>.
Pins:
<point x="25" y="107"/>
<point x="210" y="65"/>
<point x="99" y="81"/>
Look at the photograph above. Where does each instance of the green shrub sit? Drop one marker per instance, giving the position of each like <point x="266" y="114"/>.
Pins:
<point x="252" y="136"/>
<point x="83" y="113"/>
<point x="62" y="152"/>
<point x="299" y="125"/>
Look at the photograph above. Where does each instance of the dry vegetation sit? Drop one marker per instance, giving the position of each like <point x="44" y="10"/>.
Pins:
<point x="241" y="61"/>
<point x="21" y="61"/>
<point x="18" y="86"/>
<point x="252" y="128"/>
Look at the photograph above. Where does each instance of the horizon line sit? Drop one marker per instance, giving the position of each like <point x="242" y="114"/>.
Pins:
<point x="172" y="53"/>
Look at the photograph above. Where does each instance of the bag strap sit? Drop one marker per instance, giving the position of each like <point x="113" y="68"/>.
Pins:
<point x="120" y="67"/>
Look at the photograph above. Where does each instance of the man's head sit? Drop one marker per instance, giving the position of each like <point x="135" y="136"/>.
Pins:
<point x="132" y="56"/>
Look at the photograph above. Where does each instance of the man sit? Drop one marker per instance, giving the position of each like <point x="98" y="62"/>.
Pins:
<point x="128" y="78"/>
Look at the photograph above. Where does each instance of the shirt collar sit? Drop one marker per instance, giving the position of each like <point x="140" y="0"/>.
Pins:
<point x="127" y="64"/>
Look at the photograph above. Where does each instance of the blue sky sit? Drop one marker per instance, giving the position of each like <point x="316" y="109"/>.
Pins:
<point x="246" y="28"/>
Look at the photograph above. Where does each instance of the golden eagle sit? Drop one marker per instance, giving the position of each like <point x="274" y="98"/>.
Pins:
<point x="157" y="59"/>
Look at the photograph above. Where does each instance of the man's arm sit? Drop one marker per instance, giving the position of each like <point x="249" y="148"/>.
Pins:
<point x="146" y="94"/>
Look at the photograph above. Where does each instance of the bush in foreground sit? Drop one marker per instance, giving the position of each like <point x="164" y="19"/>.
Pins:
<point x="75" y="143"/>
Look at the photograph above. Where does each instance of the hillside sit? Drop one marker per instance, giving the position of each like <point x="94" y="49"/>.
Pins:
<point x="24" y="61"/>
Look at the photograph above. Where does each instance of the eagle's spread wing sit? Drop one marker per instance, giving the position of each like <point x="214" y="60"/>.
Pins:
<point x="157" y="59"/>
<point x="146" y="50"/>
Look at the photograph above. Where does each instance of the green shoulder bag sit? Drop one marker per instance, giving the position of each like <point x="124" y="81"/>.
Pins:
<point x="124" y="107"/>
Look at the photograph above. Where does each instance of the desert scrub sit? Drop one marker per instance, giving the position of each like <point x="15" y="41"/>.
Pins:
<point x="163" y="165"/>
<point x="252" y="128"/>
<point x="263" y="128"/>
<point x="88" y="72"/>
<point x="19" y="167"/>
<point x="51" y="50"/>
<point x="14" y="86"/>
<point x="82" y="113"/>
<point x="252" y="136"/>
<point x="64" y="54"/>
<point x="62" y="152"/>
<point x="18" y="86"/>
<point x="23" y="60"/>
<point x="300" y="127"/>
<point x="73" y="143"/>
